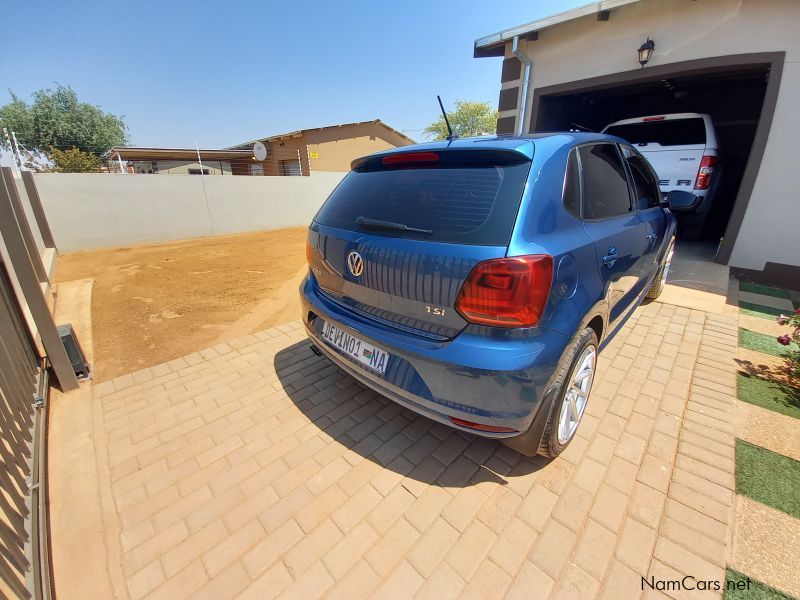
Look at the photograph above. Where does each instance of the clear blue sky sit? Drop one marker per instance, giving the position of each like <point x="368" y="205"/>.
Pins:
<point x="220" y="73"/>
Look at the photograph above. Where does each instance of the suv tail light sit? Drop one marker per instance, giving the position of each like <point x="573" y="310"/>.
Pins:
<point x="507" y="292"/>
<point x="704" y="174"/>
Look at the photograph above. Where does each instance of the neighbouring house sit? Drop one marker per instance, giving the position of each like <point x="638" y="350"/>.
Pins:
<point x="330" y="148"/>
<point x="172" y="161"/>
<point x="736" y="60"/>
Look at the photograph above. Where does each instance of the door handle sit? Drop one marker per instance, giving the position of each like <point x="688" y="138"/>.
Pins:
<point x="610" y="258"/>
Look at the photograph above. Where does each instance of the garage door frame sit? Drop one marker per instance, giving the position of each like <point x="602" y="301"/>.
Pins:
<point x="699" y="66"/>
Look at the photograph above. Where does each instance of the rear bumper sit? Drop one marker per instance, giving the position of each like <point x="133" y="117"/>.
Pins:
<point x="484" y="375"/>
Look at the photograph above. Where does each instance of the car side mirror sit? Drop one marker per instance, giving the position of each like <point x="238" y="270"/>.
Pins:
<point x="680" y="201"/>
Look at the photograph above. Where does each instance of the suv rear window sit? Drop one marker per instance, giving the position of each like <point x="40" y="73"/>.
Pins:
<point x="473" y="201"/>
<point x="672" y="132"/>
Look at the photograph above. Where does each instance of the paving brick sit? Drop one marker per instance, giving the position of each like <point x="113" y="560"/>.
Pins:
<point x="686" y="562"/>
<point x="709" y="507"/>
<point x="311" y="548"/>
<point x="553" y="548"/>
<point x="349" y="550"/>
<point x="427" y="508"/>
<point x="646" y="504"/>
<point x="576" y="583"/>
<point x="498" y="509"/>
<point x="387" y="552"/>
<point x="357" y="583"/>
<point x="470" y="549"/>
<point x="621" y="582"/>
<point x="490" y="581"/>
<point x="529" y="578"/>
<point x="512" y="546"/>
<point x="636" y="545"/>
<point x="655" y="472"/>
<point x="631" y="448"/>
<point x="154" y="547"/>
<point x="320" y="508"/>
<point x="716" y="492"/>
<point x="261" y="556"/>
<point x="595" y="549"/>
<point x="433" y="546"/>
<point x="311" y="584"/>
<point x="444" y="584"/>
<point x="233" y="547"/>
<point x="573" y="506"/>
<point x="349" y="514"/>
<point x="711" y="549"/>
<point x="608" y="508"/>
<point x="463" y="507"/>
<point x="537" y="507"/>
<point x="146" y="580"/>
<point x="193" y="547"/>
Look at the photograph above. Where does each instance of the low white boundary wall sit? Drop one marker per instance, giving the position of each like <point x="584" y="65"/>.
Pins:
<point x="98" y="210"/>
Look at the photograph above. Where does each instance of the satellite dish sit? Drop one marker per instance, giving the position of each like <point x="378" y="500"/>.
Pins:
<point x="260" y="151"/>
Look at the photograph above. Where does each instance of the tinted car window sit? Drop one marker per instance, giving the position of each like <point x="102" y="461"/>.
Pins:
<point x="471" y="203"/>
<point x="672" y="132"/>
<point x="572" y="185"/>
<point x="605" y="186"/>
<point x="645" y="188"/>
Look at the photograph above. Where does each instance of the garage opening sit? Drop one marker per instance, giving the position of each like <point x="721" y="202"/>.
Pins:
<point x="733" y="97"/>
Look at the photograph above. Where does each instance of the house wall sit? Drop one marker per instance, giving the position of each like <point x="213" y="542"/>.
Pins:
<point x="335" y="148"/>
<point x="176" y="167"/>
<point x="683" y="31"/>
<point x="88" y="211"/>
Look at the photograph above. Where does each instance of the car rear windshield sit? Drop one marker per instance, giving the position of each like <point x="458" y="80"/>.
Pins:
<point x="459" y="199"/>
<point x="671" y="132"/>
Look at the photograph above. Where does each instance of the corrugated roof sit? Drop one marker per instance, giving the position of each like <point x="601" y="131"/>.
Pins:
<point x="300" y="132"/>
<point x="145" y="153"/>
<point x="484" y="45"/>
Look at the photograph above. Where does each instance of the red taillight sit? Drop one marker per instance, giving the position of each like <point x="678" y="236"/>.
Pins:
<point x="705" y="172"/>
<point x="481" y="426"/>
<point x="410" y="157"/>
<point x="650" y="119"/>
<point x="507" y="292"/>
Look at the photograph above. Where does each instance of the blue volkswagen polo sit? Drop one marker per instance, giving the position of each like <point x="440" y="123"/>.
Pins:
<point x="475" y="281"/>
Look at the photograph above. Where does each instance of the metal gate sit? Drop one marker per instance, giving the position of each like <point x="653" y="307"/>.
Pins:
<point x="19" y="371"/>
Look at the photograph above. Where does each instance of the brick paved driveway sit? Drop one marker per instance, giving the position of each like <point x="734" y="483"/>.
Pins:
<point x="257" y="469"/>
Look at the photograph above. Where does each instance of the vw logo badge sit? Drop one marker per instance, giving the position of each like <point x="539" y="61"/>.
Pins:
<point x="355" y="263"/>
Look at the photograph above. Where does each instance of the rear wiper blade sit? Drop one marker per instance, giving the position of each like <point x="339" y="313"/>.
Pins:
<point x="378" y="224"/>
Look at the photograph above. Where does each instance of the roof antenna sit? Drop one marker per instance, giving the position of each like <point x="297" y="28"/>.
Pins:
<point x="446" y="121"/>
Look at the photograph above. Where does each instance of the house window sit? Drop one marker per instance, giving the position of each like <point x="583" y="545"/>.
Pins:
<point x="291" y="167"/>
<point x="256" y="169"/>
<point x="199" y="172"/>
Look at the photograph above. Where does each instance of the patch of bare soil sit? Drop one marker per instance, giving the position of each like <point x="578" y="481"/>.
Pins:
<point x="153" y="303"/>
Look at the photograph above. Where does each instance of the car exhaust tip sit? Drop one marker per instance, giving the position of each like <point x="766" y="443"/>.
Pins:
<point x="315" y="350"/>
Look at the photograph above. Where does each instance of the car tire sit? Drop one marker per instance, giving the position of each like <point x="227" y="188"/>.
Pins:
<point x="561" y="426"/>
<point x="661" y="277"/>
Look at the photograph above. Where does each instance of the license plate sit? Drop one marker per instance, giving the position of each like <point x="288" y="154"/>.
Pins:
<point x="365" y="353"/>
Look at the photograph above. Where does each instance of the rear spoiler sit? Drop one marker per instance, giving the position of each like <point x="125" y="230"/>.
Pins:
<point x="444" y="157"/>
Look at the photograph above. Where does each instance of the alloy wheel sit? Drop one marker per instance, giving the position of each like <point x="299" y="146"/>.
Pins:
<point x="577" y="395"/>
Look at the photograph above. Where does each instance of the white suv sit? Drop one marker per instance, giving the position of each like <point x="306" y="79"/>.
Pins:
<point x="682" y="147"/>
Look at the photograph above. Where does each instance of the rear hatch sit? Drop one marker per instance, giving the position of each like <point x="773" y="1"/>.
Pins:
<point x="674" y="147"/>
<point x="398" y="237"/>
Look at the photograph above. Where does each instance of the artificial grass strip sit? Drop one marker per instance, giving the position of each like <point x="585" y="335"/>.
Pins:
<point x="767" y="477"/>
<point x="780" y="397"/>
<point x="757" y="310"/>
<point x="764" y="290"/>
<point x="741" y="587"/>
<point x="761" y="342"/>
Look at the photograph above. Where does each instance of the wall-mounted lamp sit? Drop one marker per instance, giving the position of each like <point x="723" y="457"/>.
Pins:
<point x="646" y="51"/>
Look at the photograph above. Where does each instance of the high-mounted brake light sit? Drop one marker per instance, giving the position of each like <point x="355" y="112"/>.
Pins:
<point x="649" y="119"/>
<point x="481" y="426"/>
<point x="705" y="172"/>
<point x="507" y="292"/>
<point x="410" y="157"/>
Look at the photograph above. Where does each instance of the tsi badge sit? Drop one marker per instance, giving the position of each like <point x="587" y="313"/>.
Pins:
<point x="435" y="310"/>
<point x="355" y="263"/>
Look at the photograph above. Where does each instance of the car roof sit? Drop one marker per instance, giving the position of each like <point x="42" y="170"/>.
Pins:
<point x="523" y="143"/>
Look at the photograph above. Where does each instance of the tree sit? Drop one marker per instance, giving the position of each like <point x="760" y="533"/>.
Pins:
<point x="75" y="161"/>
<point x="470" y="118"/>
<point x="55" y="118"/>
